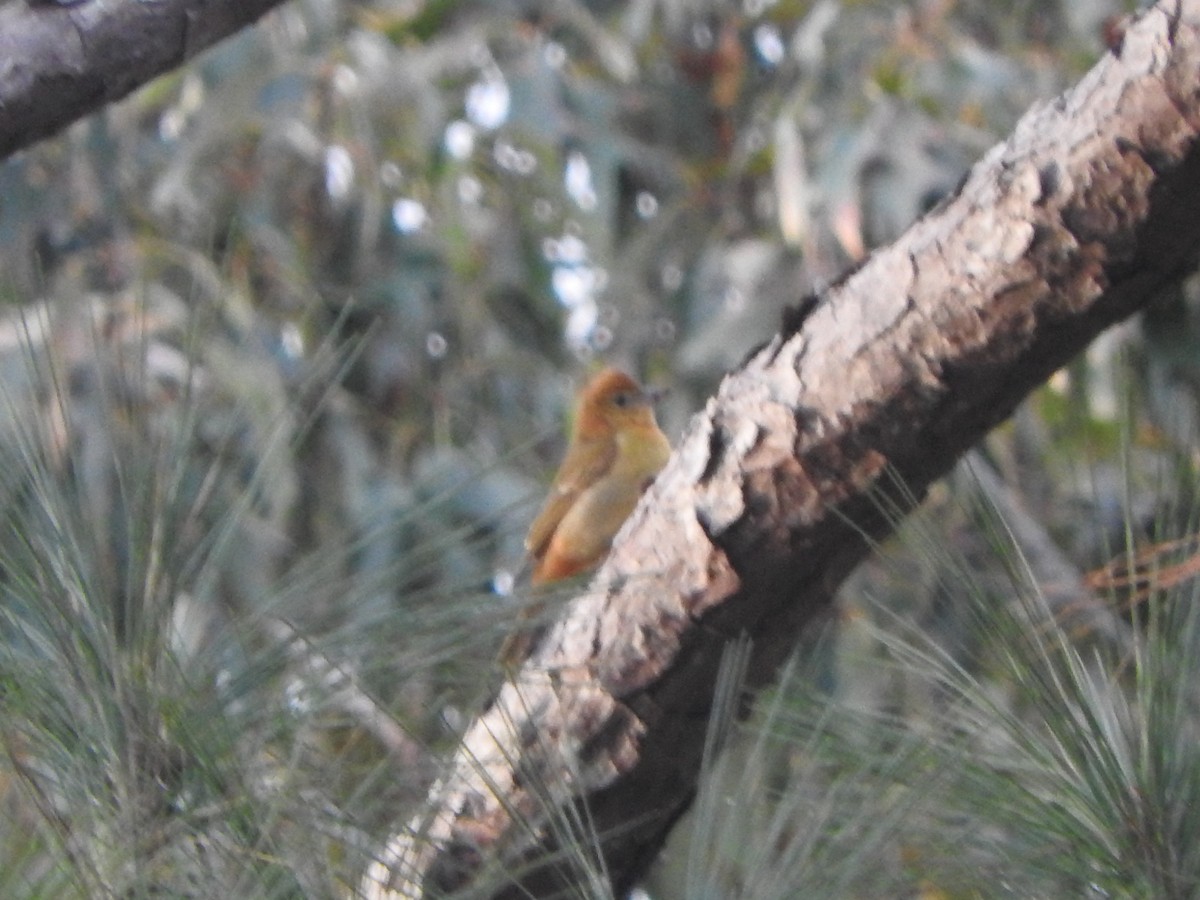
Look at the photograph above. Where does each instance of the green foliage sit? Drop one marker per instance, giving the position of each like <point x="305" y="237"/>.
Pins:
<point x="283" y="369"/>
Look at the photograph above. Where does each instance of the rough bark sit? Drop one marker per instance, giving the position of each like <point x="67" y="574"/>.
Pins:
<point x="1075" y="222"/>
<point x="59" y="63"/>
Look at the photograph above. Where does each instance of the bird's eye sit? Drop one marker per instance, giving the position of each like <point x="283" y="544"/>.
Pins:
<point x="622" y="400"/>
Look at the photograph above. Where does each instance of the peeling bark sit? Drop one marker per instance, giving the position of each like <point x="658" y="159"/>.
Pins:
<point x="1075" y="222"/>
<point x="59" y="63"/>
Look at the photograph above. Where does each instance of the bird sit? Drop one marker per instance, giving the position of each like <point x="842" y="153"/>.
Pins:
<point x="615" y="451"/>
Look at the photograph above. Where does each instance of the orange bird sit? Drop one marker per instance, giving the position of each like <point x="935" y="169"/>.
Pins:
<point x="616" y="449"/>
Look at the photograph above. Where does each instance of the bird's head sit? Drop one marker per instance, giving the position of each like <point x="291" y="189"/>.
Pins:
<point x="612" y="401"/>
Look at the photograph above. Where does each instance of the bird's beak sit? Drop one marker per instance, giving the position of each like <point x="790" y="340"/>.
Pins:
<point x="653" y="395"/>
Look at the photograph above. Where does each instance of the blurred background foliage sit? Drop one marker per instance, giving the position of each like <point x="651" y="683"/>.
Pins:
<point x="287" y="342"/>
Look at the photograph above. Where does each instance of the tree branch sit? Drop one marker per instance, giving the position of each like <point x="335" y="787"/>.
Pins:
<point x="60" y="63"/>
<point x="770" y="500"/>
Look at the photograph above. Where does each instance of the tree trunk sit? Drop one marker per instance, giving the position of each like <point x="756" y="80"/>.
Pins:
<point x="59" y="63"/>
<point x="812" y="449"/>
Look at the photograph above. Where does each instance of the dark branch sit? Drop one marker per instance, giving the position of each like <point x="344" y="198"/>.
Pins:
<point x="58" y="64"/>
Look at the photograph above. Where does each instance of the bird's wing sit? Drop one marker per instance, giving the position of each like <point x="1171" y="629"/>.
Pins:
<point x="581" y="468"/>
